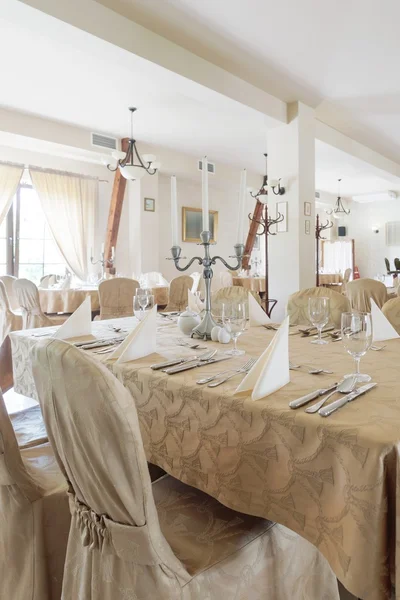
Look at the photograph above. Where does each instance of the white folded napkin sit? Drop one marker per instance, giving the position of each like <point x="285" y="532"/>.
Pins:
<point x="382" y="329"/>
<point x="194" y="304"/>
<point x="66" y="284"/>
<point x="141" y="341"/>
<point x="271" y="371"/>
<point x="256" y="314"/>
<point x="78" y="324"/>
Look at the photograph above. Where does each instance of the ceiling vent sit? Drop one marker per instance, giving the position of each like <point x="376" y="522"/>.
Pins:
<point x="393" y="233"/>
<point x="103" y="141"/>
<point x="211" y="167"/>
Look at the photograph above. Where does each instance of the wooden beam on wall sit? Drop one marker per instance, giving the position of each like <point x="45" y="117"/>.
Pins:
<point x="114" y="214"/>
<point x="251" y="237"/>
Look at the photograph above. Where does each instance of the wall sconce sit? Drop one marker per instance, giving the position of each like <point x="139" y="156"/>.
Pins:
<point x="275" y="185"/>
<point x="375" y="228"/>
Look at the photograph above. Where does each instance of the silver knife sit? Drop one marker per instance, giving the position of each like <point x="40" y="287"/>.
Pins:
<point x="305" y="399"/>
<point x="179" y="361"/>
<point x="328" y="410"/>
<point x="194" y="364"/>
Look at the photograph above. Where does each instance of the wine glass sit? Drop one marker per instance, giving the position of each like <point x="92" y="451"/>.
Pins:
<point x="357" y="338"/>
<point x="138" y="301"/>
<point x="318" y="311"/>
<point x="234" y="321"/>
<point x="143" y="298"/>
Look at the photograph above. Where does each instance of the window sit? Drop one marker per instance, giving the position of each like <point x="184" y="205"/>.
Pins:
<point x="32" y="251"/>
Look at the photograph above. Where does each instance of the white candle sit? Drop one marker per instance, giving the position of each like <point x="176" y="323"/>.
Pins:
<point x="204" y="195"/>
<point x="102" y="249"/>
<point x="112" y="253"/>
<point x="91" y="253"/>
<point x="242" y="208"/>
<point x="174" y="212"/>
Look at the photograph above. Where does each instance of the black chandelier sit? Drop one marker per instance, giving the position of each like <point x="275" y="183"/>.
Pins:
<point x="126" y="161"/>
<point x="339" y="209"/>
<point x="275" y="184"/>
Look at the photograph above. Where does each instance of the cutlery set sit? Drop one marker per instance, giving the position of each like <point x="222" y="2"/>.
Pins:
<point x="347" y="386"/>
<point x="312" y="369"/>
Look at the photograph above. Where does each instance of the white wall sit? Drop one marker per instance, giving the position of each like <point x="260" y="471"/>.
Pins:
<point x="370" y="247"/>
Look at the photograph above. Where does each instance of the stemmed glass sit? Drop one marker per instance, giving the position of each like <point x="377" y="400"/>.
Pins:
<point x="318" y="312"/>
<point x="143" y="298"/>
<point x="357" y="338"/>
<point x="234" y="321"/>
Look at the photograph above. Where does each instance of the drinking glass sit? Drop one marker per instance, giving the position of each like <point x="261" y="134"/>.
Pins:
<point x="357" y="338"/>
<point x="318" y="312"/>
<point x="143" y="298"/>
<point x="139" y="304"/>
<point x="234" y="321"/>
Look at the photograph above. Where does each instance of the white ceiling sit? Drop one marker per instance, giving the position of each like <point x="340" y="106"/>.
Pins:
<point x="62" y="73"/>
<point x="339" y="56"/>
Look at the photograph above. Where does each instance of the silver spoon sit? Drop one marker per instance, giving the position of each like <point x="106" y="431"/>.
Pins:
<point x="347" y="385"/>
<point x="319" y="371"/>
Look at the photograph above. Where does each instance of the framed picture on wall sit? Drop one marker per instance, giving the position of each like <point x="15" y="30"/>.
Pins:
<point x="307" y="209"/>
<point x="282" y="209"/>
<point x="307" y="227"/>
<point x="192" y="224"/>
<point x="149" y="204"/>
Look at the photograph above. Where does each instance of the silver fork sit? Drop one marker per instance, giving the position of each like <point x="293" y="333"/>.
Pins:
<point x="243" y="370"/>
<point x="208" y="379"/>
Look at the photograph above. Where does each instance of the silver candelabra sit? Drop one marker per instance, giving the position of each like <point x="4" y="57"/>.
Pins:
<point x="104" y="262"/>
<point x="203" y="330"/>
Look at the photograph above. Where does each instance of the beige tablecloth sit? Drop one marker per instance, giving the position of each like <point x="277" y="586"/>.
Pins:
<point x="67" y="301"/>
<point x="335" y="481"/>
<point x="256" y="284"/>
<point x="329" y="278"/>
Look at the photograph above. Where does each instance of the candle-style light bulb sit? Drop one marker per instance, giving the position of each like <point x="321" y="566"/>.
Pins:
<point x="174" y="212"/>
<point x="204" y="194"/>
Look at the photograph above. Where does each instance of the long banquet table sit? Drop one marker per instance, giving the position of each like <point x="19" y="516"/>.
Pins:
<point x="335" y="481"/>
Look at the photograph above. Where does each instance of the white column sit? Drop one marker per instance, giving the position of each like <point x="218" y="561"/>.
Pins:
<point x="291" y="156"/>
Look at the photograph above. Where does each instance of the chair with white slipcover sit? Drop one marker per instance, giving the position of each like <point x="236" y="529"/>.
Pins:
<point x="116" y="297"/>
<point x="360" y="291"/>
<point x="34" y="518"/>
<point x="165" y="541"/>
<point x="28" y="298"/>
<point x="9" y="320"/>
<point x="8" y="281"/>
<point x="226" y="279"/>
<point x="297" y="306"/>
<point x="47" y="280"/>
<point x="229" y="295"/>
<point x="178" y="293"/>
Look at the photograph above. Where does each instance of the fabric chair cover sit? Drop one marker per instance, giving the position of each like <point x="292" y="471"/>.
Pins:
<point x="9" y="320"/>
<point x="297" y="306"/>
<point x="28" y="298"/>
<point x="29" y="427"/>
<point x="231" y="294"/>
<point x="47" y="280"/>
<point x="196" y="276"/>
<point x="166" y="541"/>
<point x="391" y="310"/>
<point x="8" y="281"/>
<point x="116" y="297"/>
<point x="360" y="292"/>
<point x="178" y="293"/>
<point x="34" y="519"/>
<point x="226" y="279"/>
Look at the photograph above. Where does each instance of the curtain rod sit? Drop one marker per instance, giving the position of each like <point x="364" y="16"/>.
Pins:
<point x="56" y="171"/>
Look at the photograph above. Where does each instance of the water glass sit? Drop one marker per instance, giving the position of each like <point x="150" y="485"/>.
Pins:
<point x="143" y="299"/>
<point x="234" y="321"/>
<point x="357" y="338"/>
<point x="318" y="313"/>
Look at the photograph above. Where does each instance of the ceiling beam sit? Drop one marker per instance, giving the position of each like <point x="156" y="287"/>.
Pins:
<point x="114" y="214"/>
<point x="251" y="236"/>
<point x="105" y="24"/>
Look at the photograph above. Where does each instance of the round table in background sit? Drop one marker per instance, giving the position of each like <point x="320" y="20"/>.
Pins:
<point x="67" y="301"/>
<point x="256" y="284"/>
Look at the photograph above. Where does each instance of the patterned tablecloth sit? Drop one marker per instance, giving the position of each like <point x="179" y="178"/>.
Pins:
<point x="67" y="301"/>
<point x="335" y="481"/>
<point x="256" y="284"/>
<point x="330" y="278"/>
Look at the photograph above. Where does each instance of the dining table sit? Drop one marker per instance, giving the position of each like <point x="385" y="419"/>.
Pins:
<point x="57" y="300"/>
<point x="255" y="284"/>
<point x="330" y="279"/>
<point x="335" y="481"/>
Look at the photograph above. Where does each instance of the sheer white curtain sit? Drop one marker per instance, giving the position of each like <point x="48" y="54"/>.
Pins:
<point x="338" y="256"/>
<point x="10" y="176"/>
<point x="69" y="202"/>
